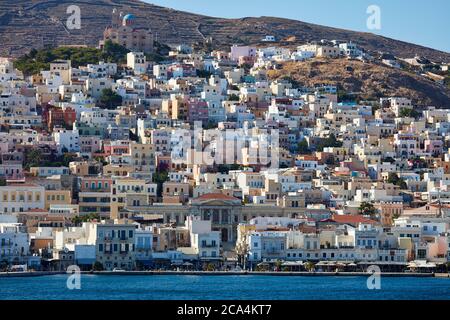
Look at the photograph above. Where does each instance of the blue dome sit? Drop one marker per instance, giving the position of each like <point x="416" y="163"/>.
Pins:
<point x="129" y="17"/>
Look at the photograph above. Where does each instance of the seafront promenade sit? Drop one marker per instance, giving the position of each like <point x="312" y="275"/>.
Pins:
<point x="226" y="273"/>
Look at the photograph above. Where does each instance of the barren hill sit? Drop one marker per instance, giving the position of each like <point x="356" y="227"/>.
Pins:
<point x="366" y="80"/>
<point x="26" y="24"/>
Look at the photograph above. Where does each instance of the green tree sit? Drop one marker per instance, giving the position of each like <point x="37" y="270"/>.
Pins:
<point x="97" y="266"/>
<point x="4" y="265"/>
<point x="203" y="74"/>
<point x="394" y="179"/>
<point x="114" y="52"/>
<point x="234" y="97"/>
<point x="109" y="99"/>
<point x="367" y="209"/>
<point x="303" y="147"/>
<point x="210" y="267"/>
<point x="309" y="266"/>
<point x="331" y="141"/>
<point x="278" y="265"/>
<point x="409" y="113"/>
<point x="159" y="178"/>
<point x="33" y="158"/>
<point x="2" y="182"/>
<point x="67" y="158"/>
<point x="140" y="266"/>
<point x="38" y="60"/>
<point x="78" y="220"/>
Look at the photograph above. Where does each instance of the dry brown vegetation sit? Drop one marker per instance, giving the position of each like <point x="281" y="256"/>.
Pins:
<point x="370" y="80"/>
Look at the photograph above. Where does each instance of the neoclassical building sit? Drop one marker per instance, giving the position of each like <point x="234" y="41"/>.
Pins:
<point x="225" y="212"/>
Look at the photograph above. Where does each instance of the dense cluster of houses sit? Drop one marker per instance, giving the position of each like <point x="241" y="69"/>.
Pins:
<point x="206" y="164"/>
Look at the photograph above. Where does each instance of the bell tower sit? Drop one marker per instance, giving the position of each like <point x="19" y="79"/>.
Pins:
<point x="115" y="19"/>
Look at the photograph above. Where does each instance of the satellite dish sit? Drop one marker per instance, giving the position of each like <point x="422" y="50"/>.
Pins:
<point x="66" y="250"/>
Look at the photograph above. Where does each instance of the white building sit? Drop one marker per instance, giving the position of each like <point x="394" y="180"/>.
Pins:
<point x="204" y="241"/>
<point x="14" y="243"/>
<point x="67" y="140"/>
<point x="138" y="62"/>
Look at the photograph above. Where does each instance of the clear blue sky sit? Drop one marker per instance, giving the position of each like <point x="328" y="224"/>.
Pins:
<point x="422" y="22"/>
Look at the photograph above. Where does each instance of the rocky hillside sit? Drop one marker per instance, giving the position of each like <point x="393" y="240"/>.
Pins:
<point x="366" y="81"/>
<point x="26" y="24"/>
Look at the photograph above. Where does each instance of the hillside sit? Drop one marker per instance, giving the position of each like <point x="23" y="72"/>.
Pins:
<point x="26" y="24"/>
<point x="367" y="80"/>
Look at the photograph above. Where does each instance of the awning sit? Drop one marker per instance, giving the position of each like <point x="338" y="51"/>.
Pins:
<point x="383" y="263"/>
<point x="292" y="263"/>
<point x="326" y="263"/>
<point x="421" y="264"/>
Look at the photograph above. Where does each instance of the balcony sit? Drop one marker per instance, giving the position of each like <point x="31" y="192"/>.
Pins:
<point x="209" y="245"/>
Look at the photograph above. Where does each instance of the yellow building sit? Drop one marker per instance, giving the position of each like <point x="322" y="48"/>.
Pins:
<point x="53" y="197"/>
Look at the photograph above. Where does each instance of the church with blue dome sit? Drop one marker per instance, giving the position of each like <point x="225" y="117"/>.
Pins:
<point x="126" y="31"/>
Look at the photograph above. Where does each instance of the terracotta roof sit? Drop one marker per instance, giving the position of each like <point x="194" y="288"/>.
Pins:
<point x="351" y="219"/>
<point x="215" y="196"/>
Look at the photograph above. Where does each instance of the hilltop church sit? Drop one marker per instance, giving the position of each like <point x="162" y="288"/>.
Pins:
<point x="124" y="31"/>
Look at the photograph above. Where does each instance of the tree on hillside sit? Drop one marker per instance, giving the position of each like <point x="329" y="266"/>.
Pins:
<point x="303" y="147"/>
<point x="159" y="178"/>
<point x="331" y="141"/>
<point x="409" y="113"/>
<point x="367" y="209"/>
<point x="33" y="158"/>
<point x="394" y="179"/>
<point x="109" y="99"/>
<point x="114" y="52"/>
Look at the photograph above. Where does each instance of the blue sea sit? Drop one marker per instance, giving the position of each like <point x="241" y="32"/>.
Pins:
<point x="245" y="287"/>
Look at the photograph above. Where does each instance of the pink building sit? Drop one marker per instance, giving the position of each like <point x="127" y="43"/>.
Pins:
<point x="242" y="51"/>
<point x="435" y="147"/>
<point x="90" y="144"/>
<point x="117" y="147"/>
<point x="197" y="110"/>
<point x="95" y="184"/>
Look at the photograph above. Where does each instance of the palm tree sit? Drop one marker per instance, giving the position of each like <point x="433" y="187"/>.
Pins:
<point x="242" y="250"/>
<point x="278" y="265"/>
<point x="309" y="266"/>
